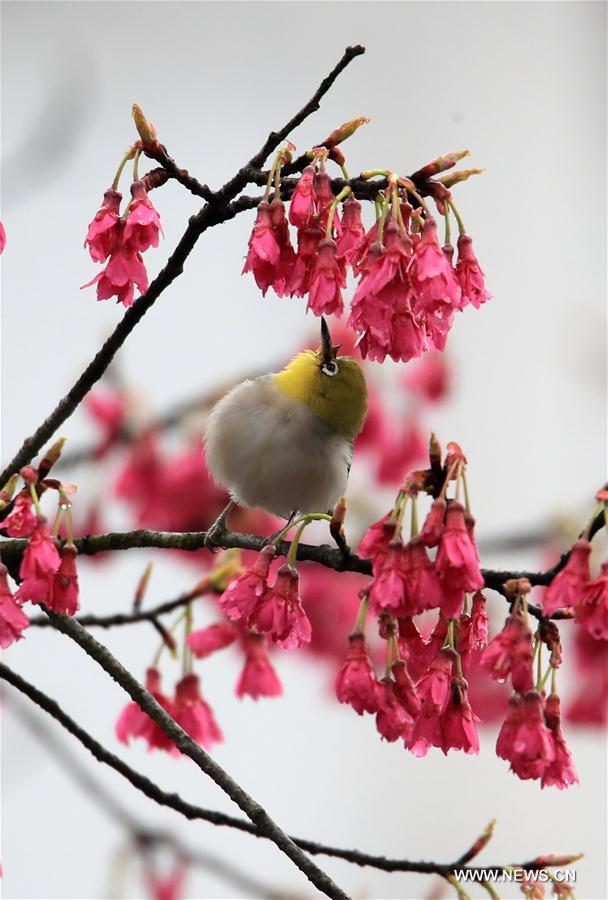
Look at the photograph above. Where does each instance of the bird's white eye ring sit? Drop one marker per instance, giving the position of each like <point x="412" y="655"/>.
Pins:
<point x="330" y="368"/>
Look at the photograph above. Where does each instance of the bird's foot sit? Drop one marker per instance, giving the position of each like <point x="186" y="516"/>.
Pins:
<point x="282" y="531"/>
<point x="215" y="533"/>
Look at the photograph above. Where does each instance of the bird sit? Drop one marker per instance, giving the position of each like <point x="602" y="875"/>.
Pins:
<point x="283" y="442"/>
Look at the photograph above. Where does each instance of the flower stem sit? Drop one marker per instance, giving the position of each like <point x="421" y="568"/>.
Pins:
<point x="293" y="550"/>
<point x="128" y="155"/>
<point x="465" y="484"/>
<point x="461" y="228"/>
<point x="448" y="230"/>
<point x="136" y="165"/>
<point x="332" y="211"/>
<point x="361" y="615"/>
<point x="414" y="520"/>
<point x="35" y="498"/>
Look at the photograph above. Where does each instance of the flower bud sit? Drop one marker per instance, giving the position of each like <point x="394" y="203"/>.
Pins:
<point x="343" y="132"/>
<point x="145" y="128"/>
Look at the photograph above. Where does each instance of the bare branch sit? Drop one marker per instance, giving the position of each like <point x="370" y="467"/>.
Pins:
<point x="191" y="812"/>
<point x="256" y="813"/>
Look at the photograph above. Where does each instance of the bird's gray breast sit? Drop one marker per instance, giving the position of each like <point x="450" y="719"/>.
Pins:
<point x="273" y="452"/>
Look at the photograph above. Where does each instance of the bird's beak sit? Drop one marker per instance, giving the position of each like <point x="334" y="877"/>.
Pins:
<point x="327" y="348"/>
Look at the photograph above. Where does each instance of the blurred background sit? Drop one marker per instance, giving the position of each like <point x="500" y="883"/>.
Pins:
<point x="522" y="389"/>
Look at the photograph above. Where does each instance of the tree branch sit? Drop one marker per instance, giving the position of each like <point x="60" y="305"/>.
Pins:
<point x="143" y="836"/>
<point x="191" y="812"/>
<point x="12" y="550"/>
<point x="256" y="813"/>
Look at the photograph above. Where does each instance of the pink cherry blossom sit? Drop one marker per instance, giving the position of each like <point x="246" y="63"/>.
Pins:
<point x="393" y="720"/>
<point x="194" y="714"/>
<point x="63" y="592"/>
<point x="356" y="682"/>
<point x="258" y="678"/>
<point x="592" y="606"/>
<point x="206" y="641"/>
<point x="567" y="586"/>
<point x="524" y="739"/>
<point x="21" y="520"/>
<point x="469" y="274"/>
<point x="142" y="222"/>
<point x="328" y="278"/>
<point x="510" y="653"/>
<point x="13" y="620"/>
<point x="244" y="594"/>
<point x="561" y="772"/>
<point x="280" y="614"/>
<point x="133" y="722"/>
<point x="105" y="229"/>
<point x="302" y="200"/>
<point x="352" y="230"/>
<point x="40" y="562"/>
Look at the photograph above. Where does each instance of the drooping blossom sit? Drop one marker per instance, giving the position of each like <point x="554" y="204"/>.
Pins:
<point x="434" y="692"/>
<point x="561" y="772"/>
<point x="194" y="714"/>
<point x="21" y="520"/>
<point x="405" y="689"/>
<point x="592" y="606"/>
<point x="388" y="591"/>
<point x="40" y="562"/>
<point x="524" y="739"/>
<point x="327" y="280"/>
<point x="124" y="271"/>
<point x="302" y="199"/>
<point x="63" y="592"/>
<point x="280" y="614"/>
<point x="133" y="722"/>
<point x="13" y="620"/>
<point x="478" y="634"/>
<point x="434" y="523"/>
<point x="431" y="274"/>
<point x="356" y="682"/>
<point x="105" y="229"/>
<point x="375" y="542"/>
<point x="510" y="653"/>
<point x="142" y="222"/>
<point x="309" y="240"/>
<point x="382" y="311"/>
<point x="243" y="595"/>
<point x="418" y="653"/>
<point x="568" y="585"/>
<point x="264" y="251"/>
<point x="258" y="677"/>
<point x="469" y="274"/>
<point x="352" y="230"/>
<point x="287" y="256"/>
<point x="393" y="720"/>
<point x="205" y="641"/>
<point x="457" y="562"/>
<point x="458" y="723"/>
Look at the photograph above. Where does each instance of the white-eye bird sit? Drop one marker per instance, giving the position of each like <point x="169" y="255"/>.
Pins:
<point x="284" y="442"/>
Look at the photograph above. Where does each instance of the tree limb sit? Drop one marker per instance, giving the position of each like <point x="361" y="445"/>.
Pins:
<point x="184" y="743"/>
<point x="192" y="812"/>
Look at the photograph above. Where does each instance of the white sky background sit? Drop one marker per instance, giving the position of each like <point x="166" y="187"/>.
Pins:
<point x="520" y="84"/>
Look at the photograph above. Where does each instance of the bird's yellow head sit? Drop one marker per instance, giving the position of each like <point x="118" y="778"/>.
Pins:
<point x="333" y="387"/>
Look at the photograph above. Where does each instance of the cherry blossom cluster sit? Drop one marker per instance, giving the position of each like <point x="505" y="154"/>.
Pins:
<point x="118" y="240"/>
<point x="47" y="572"/>
<point x="409" y="289"/>
<point x="423" y="697"/>
<point x="187" y="704"/>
